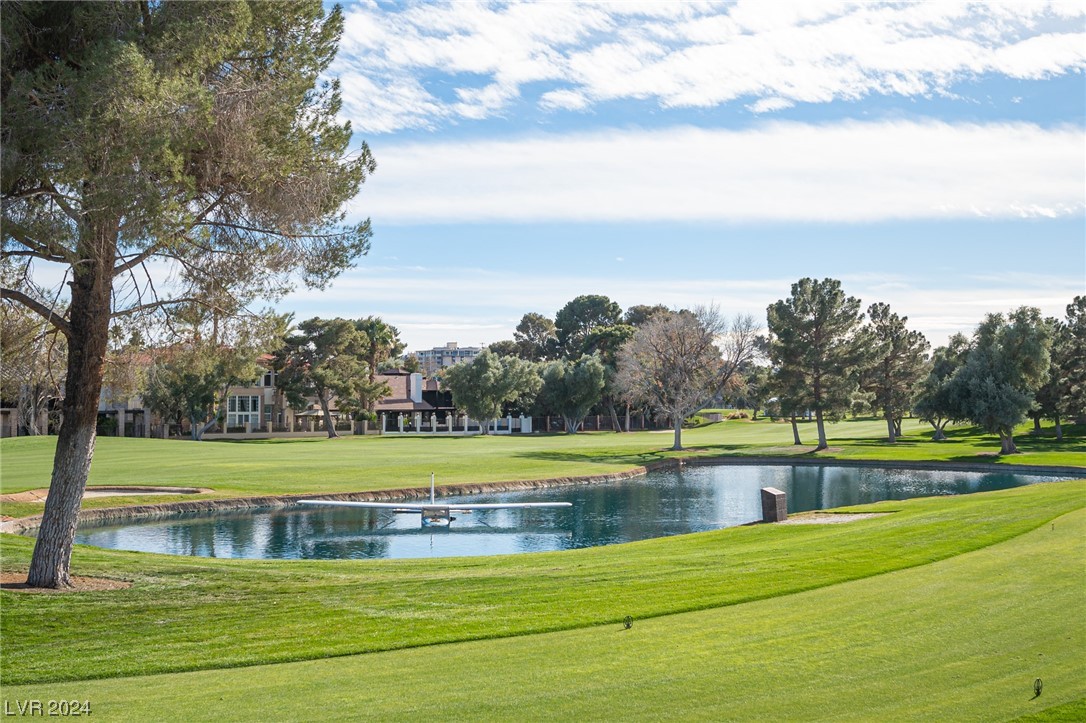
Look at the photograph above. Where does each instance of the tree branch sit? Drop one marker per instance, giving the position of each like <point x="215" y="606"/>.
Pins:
<point x="41" y="309"/>
<point x="156" y="247"/>
<point x="43" y="250"/>
<point x="35" y="254"/>
<point x="139" y="308"/>
<point x="58" y="199"/>
<point x="270" y="232"/>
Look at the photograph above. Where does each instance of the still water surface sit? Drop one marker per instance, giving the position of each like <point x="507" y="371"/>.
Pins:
<point x="663" y="503"/>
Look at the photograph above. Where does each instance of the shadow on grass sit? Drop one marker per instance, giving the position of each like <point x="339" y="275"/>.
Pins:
<point x="639" y="458"/>
<point x="274" y="440"/>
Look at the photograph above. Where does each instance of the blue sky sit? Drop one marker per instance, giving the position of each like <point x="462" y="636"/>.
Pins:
<point x="929" y="155"/>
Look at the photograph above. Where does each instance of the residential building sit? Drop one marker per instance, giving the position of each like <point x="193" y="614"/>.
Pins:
<point x="433" y="360"/>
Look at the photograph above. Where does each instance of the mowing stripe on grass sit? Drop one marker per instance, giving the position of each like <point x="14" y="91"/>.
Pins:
<point x="962" y="639"/>
<point x="191" y="613"/>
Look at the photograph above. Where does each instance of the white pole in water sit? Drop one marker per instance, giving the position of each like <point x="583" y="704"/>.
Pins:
<point x="431" y="488"/>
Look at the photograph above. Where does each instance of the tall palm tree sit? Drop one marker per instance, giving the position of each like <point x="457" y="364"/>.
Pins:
<point x="382" y="343"/>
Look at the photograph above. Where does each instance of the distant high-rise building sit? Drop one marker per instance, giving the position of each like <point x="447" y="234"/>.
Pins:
<point x="433" y="360"/>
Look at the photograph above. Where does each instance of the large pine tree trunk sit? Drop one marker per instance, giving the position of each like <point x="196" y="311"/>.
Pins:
<point x="90" y="309"/>
<point x="821" y="430"/>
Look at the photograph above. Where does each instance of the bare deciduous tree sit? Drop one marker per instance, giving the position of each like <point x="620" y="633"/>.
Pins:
<point x="679" y="360"/>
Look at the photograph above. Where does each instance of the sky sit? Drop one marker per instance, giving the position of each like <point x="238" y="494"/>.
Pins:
<point x="929" y="155"/>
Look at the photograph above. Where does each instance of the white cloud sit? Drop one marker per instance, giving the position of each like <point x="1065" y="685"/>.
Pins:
<point x="850" y="172"/>
<point x="680" y="55"/>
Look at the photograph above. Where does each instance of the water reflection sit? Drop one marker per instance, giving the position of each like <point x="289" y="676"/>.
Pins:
<point x="656" y="505"/>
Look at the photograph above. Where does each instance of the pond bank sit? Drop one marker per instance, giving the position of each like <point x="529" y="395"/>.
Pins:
<point x="27" y="525"/>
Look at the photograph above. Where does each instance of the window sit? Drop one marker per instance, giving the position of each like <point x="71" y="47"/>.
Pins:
<point x="242" y="410"/>
<point x="270" y="378"/>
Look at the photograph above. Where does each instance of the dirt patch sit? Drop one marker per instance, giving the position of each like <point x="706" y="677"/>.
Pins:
<point x="832" y="518"/>
<point x="80" y="583"/>
<point x="91" y="492"/>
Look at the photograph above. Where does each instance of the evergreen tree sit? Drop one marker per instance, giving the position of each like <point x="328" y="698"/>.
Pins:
<point x="817" y="343"/>
<point x="936" y="401"/>
<point x="575" y="321"/>
<point x="536" y="338"/>
<point x="897" y="363"/>
<point x="197" y="133"/>
<point x="1072" y="359"/>
<point x="1007" y="363"/>
<point x="325" y="359"/>
<point x="481" y="386"/>
<point x="571" y="389"/>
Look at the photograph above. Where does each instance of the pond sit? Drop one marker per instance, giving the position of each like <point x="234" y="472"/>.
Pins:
<point x="671" y="502"/>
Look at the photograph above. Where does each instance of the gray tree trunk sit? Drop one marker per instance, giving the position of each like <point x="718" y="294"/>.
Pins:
<point x="939" y="436"/>
<point x="220" y="414"/>
<point x="821" y="430"/>
<point x="891" y="431"/>
<point x="627" y="429"/>
<point x="795" y="431"/>
<point x="1006" y="443"/>
<point x="678" y="419"/>
<point x="1059" y="429"/>
<point x="328" y="423"/>
<point x="615" y="426"/>
<point x="91" y="288"/>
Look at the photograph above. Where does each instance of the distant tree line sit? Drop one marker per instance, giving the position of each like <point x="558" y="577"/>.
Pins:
<point x="821" y="356"/>
<point x="825" y="360"/>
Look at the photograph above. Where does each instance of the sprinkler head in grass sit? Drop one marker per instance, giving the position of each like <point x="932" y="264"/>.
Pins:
<point x="1037" y="685"/>
<point x="627" y="622"/>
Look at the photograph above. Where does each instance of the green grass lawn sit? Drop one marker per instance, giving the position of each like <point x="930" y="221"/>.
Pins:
<point x="947" y="608"/>
<point x="208" y="613"/>
<point x="962" y="638"/>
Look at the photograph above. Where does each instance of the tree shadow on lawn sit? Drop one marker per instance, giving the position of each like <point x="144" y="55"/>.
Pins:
<point x="637" y="458"/>
<point x="273" y="440"/>
<point x="1074" y="439"/>
<point x="859" y="442"/>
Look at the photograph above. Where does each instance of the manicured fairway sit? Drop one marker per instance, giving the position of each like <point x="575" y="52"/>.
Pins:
<point x="948" y="608"/>
<point x="189" y="613"/>
<point x="960" y="639"/>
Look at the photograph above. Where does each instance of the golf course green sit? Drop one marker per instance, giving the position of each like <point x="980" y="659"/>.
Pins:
<point x="946" y="608"/>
